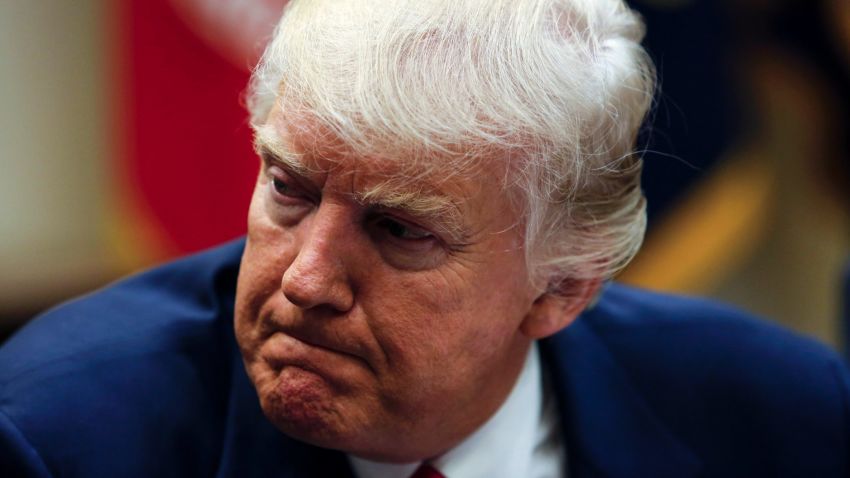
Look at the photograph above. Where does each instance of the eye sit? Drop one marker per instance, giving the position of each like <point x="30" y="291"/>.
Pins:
<point x="403" y="231"/>
<point x="284" y="189"/>
<point x="281" y="187"/>
<point x="404" y="245"/>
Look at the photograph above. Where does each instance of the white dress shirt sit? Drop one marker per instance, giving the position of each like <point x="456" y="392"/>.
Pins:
<point x="522" y="439"/>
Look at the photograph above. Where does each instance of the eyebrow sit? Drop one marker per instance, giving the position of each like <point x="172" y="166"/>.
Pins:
<point x="270" y="147"/>
<point x="434" y="208"/>
<point x="402" y="196"/>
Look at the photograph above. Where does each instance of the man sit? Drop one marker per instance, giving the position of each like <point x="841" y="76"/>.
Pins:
<point x="445" y="187"/>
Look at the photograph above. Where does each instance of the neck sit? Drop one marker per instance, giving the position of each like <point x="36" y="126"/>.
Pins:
<point x="519" y="408"/>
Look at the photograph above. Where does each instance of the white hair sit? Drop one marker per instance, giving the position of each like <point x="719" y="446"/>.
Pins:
<point x="558" y="87"/>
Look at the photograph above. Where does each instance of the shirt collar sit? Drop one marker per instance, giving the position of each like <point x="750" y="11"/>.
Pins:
<point x="511" y="434"/>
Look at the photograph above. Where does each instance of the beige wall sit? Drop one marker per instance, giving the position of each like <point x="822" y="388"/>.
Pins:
<point x="52" y="148"/>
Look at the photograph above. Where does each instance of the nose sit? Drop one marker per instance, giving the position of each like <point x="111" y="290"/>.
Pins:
<point x="318" y="276"/>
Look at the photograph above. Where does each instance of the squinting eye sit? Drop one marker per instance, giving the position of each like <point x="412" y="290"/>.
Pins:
<point x="403" y="231"/>
<point x="281" y="187"/>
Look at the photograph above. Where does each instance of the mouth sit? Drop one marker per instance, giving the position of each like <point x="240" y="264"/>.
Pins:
<point x="283" y="349"/>
<point x="326" y="345"/>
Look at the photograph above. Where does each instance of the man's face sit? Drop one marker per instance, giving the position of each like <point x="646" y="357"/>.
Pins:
<point x="379" y="319"/>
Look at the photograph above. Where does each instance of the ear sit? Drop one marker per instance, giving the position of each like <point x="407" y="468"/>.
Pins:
<point x="555" y="309"/>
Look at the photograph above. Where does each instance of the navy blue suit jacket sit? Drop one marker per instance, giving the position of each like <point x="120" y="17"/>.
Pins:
<point x="144" y="379"/>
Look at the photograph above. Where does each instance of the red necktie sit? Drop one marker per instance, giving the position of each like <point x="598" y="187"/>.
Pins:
<point x="426" y="471"/>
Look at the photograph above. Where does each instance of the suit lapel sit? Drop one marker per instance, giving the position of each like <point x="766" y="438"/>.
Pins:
<point x="609" y="429"/>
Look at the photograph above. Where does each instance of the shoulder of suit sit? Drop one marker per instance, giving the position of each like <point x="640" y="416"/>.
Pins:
<point x="709" y="366"/>
<point x="628" y="318"/>
<point x="101" y="377"/>
<point x="161" y="307"/>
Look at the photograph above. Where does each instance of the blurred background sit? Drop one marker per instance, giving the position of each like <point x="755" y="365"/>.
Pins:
<point x="124" y="143"/>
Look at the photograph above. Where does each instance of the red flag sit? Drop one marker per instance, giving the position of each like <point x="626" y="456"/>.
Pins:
<point x="183" y="154"/>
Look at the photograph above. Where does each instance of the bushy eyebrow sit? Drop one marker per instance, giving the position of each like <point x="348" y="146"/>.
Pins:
<point x="270" y="147"/>
<point x="435" y="209"/>
<point x="403" y="196"/>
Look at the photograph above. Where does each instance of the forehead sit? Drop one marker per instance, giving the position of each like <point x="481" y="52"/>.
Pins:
<point x="437" y="181"/>
<point x="304" y="138"/>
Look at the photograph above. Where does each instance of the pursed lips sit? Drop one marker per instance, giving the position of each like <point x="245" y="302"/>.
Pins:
<point x="313" y="336"/>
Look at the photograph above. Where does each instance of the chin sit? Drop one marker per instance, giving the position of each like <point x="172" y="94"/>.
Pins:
<point x="303" y="405"/>
<point x="307" y="406"/>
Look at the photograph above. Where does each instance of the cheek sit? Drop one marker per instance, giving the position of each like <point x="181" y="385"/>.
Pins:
<point x="425" y="319"/>
<point x="268" y="252"/>
<point x="466" y="312"/>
